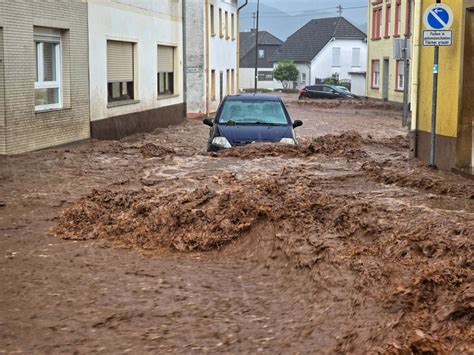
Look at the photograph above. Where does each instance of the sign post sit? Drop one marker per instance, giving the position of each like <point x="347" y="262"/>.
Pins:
<point x="438" y="19"/>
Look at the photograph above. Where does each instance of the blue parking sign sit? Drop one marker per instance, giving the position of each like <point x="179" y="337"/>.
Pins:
<point x="438" y="17"/>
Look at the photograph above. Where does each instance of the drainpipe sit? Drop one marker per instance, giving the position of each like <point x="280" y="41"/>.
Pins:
<point x="207" y="70"/>
<point x="184" y="51"/>
<point x="415" y="78"/>
<point x="238" y="44"/>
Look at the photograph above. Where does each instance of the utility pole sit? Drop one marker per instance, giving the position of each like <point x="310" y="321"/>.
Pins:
<point x="256" y="47"/>
<point x="406" y="66"/>
<point x="254" y="17"/>
<point x="339" y="10"/>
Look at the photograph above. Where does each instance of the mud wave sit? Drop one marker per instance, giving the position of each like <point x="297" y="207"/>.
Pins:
<point x="419" y="269"/>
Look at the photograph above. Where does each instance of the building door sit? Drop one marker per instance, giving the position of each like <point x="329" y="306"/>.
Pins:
<point x="385" y="78"/>
<point x="221" y="86"/>
<point x="465" y="141"/>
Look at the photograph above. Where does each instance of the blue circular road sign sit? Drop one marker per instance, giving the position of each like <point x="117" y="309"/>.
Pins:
<point x="438" y="17"/>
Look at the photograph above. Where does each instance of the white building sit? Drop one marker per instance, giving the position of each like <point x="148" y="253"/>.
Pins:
<point x="136" y="66"/>
<point x="211" y="53"/>
<point x="325" y="48"/>
<point x="267" y="45"/>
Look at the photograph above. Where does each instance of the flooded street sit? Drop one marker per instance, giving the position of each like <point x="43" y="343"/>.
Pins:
<point x="151" y="244"/>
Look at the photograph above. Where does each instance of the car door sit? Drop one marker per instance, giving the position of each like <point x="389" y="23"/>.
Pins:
<point x="329" y="92"/>
<point x="319" y="92"/>
<point x="311" y="91"/>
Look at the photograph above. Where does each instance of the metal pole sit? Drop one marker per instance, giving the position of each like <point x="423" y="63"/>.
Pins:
<point x="406" y="68"/>
<point x="256" y="47"/>
<point x="435" y="106"/>
<point x="433" y="113"/>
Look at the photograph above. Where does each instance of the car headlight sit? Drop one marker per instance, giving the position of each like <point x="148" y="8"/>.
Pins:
<point x="221" y="142"/>
<point x="288" y="141"/>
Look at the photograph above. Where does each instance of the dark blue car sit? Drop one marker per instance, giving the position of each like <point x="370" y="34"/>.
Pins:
<point x="246" y="119"/>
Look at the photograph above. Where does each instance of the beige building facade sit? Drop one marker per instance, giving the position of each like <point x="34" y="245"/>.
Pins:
<point x="387" y="28"/>
<point x="44" y="75"/>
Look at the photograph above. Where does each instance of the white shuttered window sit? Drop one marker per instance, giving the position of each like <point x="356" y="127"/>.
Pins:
<point x="165" y="69"/>
<point x="120" y="68"/>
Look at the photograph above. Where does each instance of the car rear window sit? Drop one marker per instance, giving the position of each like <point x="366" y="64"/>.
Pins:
<point x="251" y="112"/>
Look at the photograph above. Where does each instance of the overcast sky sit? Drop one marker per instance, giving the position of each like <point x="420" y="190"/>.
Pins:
<point x="283" y="17"/>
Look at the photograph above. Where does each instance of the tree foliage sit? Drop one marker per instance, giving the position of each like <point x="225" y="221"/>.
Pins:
<point x="286" y="72"/>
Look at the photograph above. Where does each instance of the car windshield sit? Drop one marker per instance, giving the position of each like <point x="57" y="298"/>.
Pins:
<point x="253" y="112"/>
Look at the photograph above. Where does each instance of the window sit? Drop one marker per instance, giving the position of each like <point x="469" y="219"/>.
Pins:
<point x="303" y="78"/>
<point x="227" y="25"/>
<point x="261" y="54"/>
<point x="227" y="82"/>
<point x="375" y="74"/>
<point x="233" y="81"/>
<point x="166" y="70"/>
<point x="213" y="85"/>
<point x="221" y="34"/>
<point x="120" y="84"/>
<point x="336" y="57"/>
<point x="400" y="75"/>
<point x="232" y="23"/>
<point x="47" y="70"/>
<point x="213" y="23"/>
<point x="265" y="76"/>
<point x="398" y="18"/>
<point x="388" y="19"/>
<point x="376" y="23"/>
<point x="356" y="57"/>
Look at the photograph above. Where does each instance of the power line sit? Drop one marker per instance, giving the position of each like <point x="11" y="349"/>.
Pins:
<point x="306" y="13"/>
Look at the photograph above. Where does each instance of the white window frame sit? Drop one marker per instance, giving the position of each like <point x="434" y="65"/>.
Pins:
<point x="356" y="58"/>
<point x="400" y="75"/>
<point x="41" y="84"/>
<point x="375" y="75"/>
<point x="303" y="78"/>
<point x="261" y="53"/>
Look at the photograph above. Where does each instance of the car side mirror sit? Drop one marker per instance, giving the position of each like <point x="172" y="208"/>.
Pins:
<point x="208" y="122"/>
<point x="297" y="123"/>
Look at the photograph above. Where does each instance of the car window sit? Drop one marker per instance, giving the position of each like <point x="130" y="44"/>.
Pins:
<point x="248" y="112"/>
<point x="314" y="88"/>
<point x="318" y="88"/>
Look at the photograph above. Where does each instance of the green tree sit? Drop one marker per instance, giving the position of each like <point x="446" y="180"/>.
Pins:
<point x="286" y="73"/>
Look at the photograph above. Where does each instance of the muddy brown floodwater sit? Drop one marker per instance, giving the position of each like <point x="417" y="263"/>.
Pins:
<point x="151" y="245"/>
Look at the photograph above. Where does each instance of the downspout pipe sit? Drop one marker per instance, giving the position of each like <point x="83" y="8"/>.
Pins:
<point x="184" y="51"/>
<point x="415" y="79"/>
<point x="238" y="44"/>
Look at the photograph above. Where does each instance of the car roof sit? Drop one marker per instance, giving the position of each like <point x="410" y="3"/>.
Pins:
<point x="253" y="97"/>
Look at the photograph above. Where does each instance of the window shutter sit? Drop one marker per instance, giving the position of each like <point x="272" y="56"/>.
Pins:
<point x="356" y="57"/>
<point x="119" y="61"/>
<point x="165" y="59"/>
<point x="336" y="57"/>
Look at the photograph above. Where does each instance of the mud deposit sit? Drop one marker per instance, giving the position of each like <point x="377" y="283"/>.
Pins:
<point x="410" y="266"/>
<point x="151" y="245"/>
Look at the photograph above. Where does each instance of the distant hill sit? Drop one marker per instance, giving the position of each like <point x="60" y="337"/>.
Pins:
<point x="282" y="24"/>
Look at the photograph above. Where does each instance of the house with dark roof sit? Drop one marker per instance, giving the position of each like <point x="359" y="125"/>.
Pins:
<point x="326" y="47"/>
<point x="267" y="45"/>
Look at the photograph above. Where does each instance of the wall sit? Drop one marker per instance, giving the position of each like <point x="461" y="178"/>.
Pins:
<point x="147" y="24"/>
<point x="322" y="64"/>
<point x="449" y="88"/>
<point x="25" y="129"/>
<point x="383" y="48"/>
<point x="3" y="142"/>
<point x="247" y="79"/>
<point x="222" y="51"/>
<point x="195" y="56"/>
<point x="358" y="84"/>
